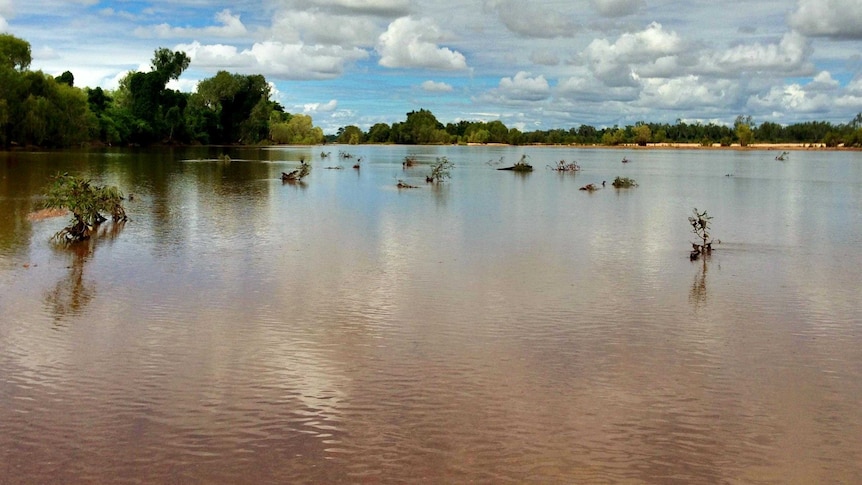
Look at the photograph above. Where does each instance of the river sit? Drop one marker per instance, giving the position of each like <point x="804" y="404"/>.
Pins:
<point x="494" y="328"/>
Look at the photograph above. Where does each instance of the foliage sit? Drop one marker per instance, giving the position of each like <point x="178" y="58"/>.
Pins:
<point x="440" y="170"/>
<point x="743" y="129"/>
<point x="624" y="183"/>
<point x="86" y="201"/>
<point x="14" y="53"/>
<point x="701" y="227"/>
<point x="350" y="135"/>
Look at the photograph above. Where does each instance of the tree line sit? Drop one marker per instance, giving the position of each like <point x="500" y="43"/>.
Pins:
<point x="37" y="109"/>
<point x="422" y="127"/>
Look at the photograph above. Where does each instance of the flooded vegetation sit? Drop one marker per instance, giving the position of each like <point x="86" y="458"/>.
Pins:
<point x="489" y="329"/>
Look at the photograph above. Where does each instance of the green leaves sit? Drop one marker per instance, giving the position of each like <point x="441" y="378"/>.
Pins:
<point x="86" y="201"/>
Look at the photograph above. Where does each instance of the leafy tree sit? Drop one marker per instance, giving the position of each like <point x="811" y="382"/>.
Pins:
<point x="743" y="129"/>
<point x="379" y="133"/>
<point x="241" y="105"/>
<point x="642" y="134"/>
<point x="66" y="78"/>
<point x="350" y="135"/>
<point x="14" y="52"/>
<point x="86" y="201"/>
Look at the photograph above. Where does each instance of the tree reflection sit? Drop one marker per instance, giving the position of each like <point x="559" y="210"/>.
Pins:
<point x="74" y="292"/>
<point x="698" y="294"/>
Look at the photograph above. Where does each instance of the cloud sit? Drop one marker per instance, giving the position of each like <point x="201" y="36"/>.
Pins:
<point x="840" y="19"/>
<point x="389" y="8"/>
<point x="688" y="93"/>
<point x="311" y="108"/>
<point x="230" y="26"/>
<point x="790" y="55"/>
<point x="409" y="43"/>
<point x="275" y="59"/>
<point x="534" y="19"/>
<point x="523" y="87"/>
<point x="317" y="27"/>
<point x="4" y="25"/>
<point x="617" y="8"/>
<point x="436" y="87"/>
<point x="615" y="63"/>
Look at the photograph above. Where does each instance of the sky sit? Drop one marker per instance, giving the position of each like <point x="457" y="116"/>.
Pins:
<point x="534" y="65"/>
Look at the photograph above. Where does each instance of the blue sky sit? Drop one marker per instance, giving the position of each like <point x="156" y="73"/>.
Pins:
<point x="531" y="64"/>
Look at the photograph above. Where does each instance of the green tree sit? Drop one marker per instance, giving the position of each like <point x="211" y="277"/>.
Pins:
<point x="14" y="52"/>
<point x="86" y="201"/>
<point x="378" y="133"/>
<point x="642" y="134"/>
<point x="743" y="129"/>
<point x="350" y="135"/>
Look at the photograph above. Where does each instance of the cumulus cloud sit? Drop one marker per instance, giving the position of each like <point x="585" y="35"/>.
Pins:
<point x="409" y="43"/>
<point x="841" y="19"/>
<point x="688" y="92"/>
<point x="318" y="27"/>
<point x="4" y="25"/>
<point x="615" y="63"/>
<point x="279" y="60"/>
<point x="790" y="55"/>
<point x="436" y="87"/>
<point x="523" y="87"/>
<point x="328" y="107"/>
<point x="617" y="8"/>
<point x="230" y="26"/>
<point x="793" y="97"/>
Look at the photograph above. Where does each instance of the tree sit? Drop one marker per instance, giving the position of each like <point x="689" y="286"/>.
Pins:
<point x="642" y="134"/>
<point x="440" y="170"/>
<point x="14" y="53"/>
<point x="700" y="225"/>
<point x="378" y="133"/>
<point x="66" y="78"/>
<point x="743" y="129"/>
<point x="350" y="135"/>
<point x="86" y="201"/>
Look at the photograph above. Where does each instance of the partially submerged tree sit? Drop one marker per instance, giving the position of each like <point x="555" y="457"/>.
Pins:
<point x="701" y="227"/>
<point x="298" y="174"/>
<point x="624" y="183"/>
<point x="440" y="170"/>
<point x="87" y="202"/>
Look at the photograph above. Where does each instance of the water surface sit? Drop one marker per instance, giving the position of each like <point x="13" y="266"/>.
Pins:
<point x="497" y="328"/>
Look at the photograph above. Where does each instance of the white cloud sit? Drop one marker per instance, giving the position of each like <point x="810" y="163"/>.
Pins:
<point x="523" y="87"/>
<point x="792" y="98"/>
<point x="4" y="25"/>
<point x="544" y="58"/>
<point x="282" y="61"/>
<point x="688" y="93"/>
<point x="328" y="107"/>
<point x="615" y="63"/>
<point x="316" y="27"/>
<point x="230" y="26"/>
<point x="828" y="18"/>
<point x="436" y="87"/>
<point x="790" y="55"/>
<point x="409" y="43"/>
<point x="520" y="89"/>
<point x="617" y="8"/>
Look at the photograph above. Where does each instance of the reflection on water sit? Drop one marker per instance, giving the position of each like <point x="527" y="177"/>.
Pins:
<point x="495" y="328"/>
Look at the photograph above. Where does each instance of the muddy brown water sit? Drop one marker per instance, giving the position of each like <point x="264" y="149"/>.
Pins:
<point x="497" y="328"/>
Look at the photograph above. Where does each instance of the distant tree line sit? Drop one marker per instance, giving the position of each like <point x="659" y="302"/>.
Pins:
<point x="421" y="127"/>
<point x="42" y="110"/>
